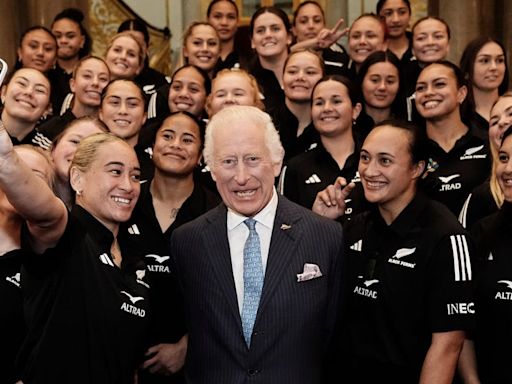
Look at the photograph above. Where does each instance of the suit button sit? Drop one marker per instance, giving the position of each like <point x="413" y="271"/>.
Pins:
<point x="253" y="372"/>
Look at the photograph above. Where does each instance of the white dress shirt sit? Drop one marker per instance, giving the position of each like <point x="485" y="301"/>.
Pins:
<point x="237" y="236"/>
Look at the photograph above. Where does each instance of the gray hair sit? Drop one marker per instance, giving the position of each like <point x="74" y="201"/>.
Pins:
<point x="238" y="114"/>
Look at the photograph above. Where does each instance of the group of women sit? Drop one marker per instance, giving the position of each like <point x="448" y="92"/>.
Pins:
<point x="85" y="262"/>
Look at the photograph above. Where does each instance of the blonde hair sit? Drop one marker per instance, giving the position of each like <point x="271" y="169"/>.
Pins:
<point x="140" y="43"/>
<point x="88" y="148"/>
<point x="256" y="93"/>
<point x="496" y="192"/>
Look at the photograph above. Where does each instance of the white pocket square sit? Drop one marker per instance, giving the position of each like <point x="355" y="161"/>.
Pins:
<point x="311" y="271"/>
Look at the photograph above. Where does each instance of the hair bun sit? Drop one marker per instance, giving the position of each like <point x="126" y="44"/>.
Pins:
<point x="72" y="14"/>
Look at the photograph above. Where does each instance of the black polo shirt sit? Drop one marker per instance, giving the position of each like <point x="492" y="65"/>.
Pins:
<point x="59" y="82"/>
<point x="150" y="80"/>
<point x="404" y="281"/>
<point x="336" y="59"/>
<point x="311" y="172"/>
<point x="12" y="323"/>
<point x="287" y="125"/>
<point x="87" y="319"/>
<point x="52" y="127"/>
<point x="451" y="176"/>
<point x="479" y="204"/>
<point x="493" y="271"/>
<point x="269" y="85"/>
<point x="144" y="237"/>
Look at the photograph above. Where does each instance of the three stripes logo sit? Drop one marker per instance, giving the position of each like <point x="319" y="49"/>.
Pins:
<point x="133" y="230"/>
<point x="313" y="179"/>
<point x="106" y="260"/>
<point x="357" y="246"/>
<point x="461" y="261"/>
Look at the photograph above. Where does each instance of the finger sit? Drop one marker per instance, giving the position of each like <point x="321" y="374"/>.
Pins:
<point x="342" y="192"/>
<point x="150" y="362"/>
<point x="152" y="350"/>
<point x="340" y="34"/>
<point x="337" y="26"/>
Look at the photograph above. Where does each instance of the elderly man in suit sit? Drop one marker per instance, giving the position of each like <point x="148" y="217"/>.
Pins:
<point x="260" y="274"/>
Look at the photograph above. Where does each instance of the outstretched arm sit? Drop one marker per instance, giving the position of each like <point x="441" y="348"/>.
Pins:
<point x="46" y="215"/>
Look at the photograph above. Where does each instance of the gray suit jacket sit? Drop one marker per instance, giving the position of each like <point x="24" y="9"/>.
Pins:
<point x="295" y="319"/>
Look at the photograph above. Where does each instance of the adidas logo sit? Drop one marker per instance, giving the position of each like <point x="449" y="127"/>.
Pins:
<point x="133" y="230"/>
<point x="357" y="246"/>
<point x="313" y="179"/>
<point x="106" y="260"/>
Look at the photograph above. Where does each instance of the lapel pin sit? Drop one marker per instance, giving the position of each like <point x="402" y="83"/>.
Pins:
<point x="284" y="227"/>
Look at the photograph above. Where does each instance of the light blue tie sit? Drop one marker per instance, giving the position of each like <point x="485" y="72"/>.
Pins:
<point x="253" y="279"/>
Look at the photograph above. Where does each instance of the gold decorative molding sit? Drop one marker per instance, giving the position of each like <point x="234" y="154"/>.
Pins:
<point x="105" y="16"/>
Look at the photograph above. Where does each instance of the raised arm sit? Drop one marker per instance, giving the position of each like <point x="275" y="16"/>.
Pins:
<point x="331" y="201"/>
<point x="46" y="215"/>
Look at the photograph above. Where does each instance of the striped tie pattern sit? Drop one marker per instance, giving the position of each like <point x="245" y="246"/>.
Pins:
<point x="253" y="279"/>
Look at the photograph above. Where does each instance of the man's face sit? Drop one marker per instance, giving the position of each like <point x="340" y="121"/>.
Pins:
<point x="243" y="168"/>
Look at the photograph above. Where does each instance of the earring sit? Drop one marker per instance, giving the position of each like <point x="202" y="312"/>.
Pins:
<point x="79" y="193"/>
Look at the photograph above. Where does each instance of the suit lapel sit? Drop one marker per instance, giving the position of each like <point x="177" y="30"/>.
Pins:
<point x="216" y="237"/>
<point x="283" y="244"/>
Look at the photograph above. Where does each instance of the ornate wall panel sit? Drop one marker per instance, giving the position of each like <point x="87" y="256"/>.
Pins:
<point x="104" y="19"/>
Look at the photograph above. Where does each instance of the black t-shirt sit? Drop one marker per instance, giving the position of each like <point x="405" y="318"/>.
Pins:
<point x="87" y="319"/>
<point x="12" y="323"/>
<point x="403" y="282"/>
<point x="493" y="301"/>
<point x="451" y="176"/>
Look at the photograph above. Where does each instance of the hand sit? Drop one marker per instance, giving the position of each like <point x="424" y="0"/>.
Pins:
<point x="331" y="201"/>
<point x="168" y="358"/>
<point x="327" y="37"/>
<point x="5" y="141"/>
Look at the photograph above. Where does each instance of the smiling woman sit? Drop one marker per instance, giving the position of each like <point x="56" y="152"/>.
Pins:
<point x="393" y="253"/>
<point x="26" y="99"/>
<point x="459" y="156"/>
<point x="201" y="46"/>
<point x="70" y="251"/>
<point x="302" y="69"/>
<point x="125" y="55"/>
<point x="171" y="199"/>
<point x="89" y="78"/>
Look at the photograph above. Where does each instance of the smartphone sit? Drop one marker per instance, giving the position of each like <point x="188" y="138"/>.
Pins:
<point x="3" y="71"/>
